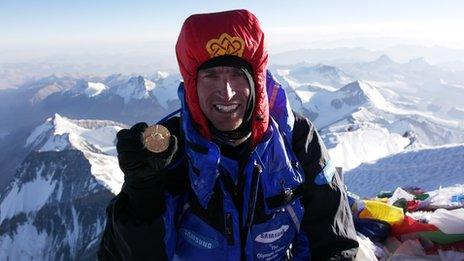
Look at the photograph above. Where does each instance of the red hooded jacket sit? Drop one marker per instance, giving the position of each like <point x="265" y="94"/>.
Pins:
<point x="205" y="36"/>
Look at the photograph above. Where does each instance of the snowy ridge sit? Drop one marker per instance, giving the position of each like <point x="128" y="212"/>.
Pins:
<point x="162" y="87"/>
<point x="95" y="124"/>
<point x="166" y="88"/>
<point x="359" y="93"/>
<point x="94" y="88"/>
<point x="136" y="88"/>
<point x="350" y="148"/>
<point x="96" y="142"/>
<point x="428" y="168"/>
<point x="22" y="240"/>
<point x="54" y="199"/>
<point x="59" y="133"/>
<point x="333" y="106"/>
<point x="27" y="197"/>
<point x="324" y="76"/>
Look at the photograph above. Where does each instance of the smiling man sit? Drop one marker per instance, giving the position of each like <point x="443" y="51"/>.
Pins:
<point x="224" y="95"/>
<point x="243" y="177"/>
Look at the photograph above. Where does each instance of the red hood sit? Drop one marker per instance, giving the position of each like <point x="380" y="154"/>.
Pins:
<point x="237" y="32"/>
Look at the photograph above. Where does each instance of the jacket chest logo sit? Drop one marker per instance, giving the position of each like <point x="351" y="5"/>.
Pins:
<point x="225" y="45"/>
<point x="272" y="235"/>
<point x="198" y="240"/>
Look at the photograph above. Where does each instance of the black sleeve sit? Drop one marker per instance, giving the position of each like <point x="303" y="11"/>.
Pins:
<point x="327" y="220"/>
<point x="127" y="237"/>
<point x="134" y="226"/>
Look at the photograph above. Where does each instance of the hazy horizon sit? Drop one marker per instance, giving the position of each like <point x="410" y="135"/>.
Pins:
<point x="119" y="37"/>
<point x="32" y="29"/>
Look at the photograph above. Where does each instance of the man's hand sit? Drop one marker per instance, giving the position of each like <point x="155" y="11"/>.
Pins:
<point x="135" y="160"/>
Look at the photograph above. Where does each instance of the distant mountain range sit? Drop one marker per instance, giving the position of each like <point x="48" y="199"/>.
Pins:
<point x="408" y="105"/>
<point x="126" y="99"/>
<point x="438" y="55"/>
<point x="57" y="139"/>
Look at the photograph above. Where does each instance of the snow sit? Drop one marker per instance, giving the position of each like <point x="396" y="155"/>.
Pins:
<point x="59" y="133"/>
<point x="428" y="168"/>
<point x="161" y="75"/>
<point x="166" y="89"/>
<point x="349" y="149"/>
<point x="72" y="236"/>
<point x="305" y="95"/>
<point x="3" y="134"/>
<point x="364" y="110"/>
<point x="37" y="134"/>
<point x="94" y="88"/>
<point x="29" y="197"/>
<point x="106" y="170"/>
<point x="27" y="244"/>
<point x="333" y="106"/>
<point x="324" y="76"/>
<point x="136" y="88"/>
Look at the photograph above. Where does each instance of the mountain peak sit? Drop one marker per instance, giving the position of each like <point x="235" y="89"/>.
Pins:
<point x="317" y="75"/>
<point x="159" y="75"/>
<point x="88" y="88"/>
<point x="94" y="88"/>
<point x="136" y="88"/>
<point x="59" y="133"/>
<point x="419" y="62"/>
<point x="383" y="60"/>
<point x="361" y="92"/>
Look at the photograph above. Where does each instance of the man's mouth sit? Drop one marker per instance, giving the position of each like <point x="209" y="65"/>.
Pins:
<point x="226" y="108"/>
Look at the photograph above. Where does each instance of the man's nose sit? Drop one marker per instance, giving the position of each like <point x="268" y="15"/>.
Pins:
<point x="227" y="92"/>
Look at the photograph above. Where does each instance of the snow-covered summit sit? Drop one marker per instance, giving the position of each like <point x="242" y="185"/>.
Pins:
<point x="94" y="138"/>
<point x="59" y="133"/>
<point x="325" y="76"/>
<point x="136" y="88"/>
<point x="359" y="93"/>
<point x="333" y="106"/>
<point x="94" y="88"/>
<point x="383" y="62"/>
<point x="88" y="88"/>
<point x="419" y="64"/>
<point x="166" y="88"/>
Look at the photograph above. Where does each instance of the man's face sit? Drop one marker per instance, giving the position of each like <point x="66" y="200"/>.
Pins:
<point x="223" y="95"/>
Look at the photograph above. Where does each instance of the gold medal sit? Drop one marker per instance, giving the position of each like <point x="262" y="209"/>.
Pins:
<point x="156" y="138"/>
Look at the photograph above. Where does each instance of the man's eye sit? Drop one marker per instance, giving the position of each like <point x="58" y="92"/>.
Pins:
<point x="209" y="75"/>
<point x="238" y="73"/>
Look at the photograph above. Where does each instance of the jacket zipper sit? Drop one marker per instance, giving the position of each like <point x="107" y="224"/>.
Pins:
<point x="250" y="213"/>
<point x="229" y="229"/>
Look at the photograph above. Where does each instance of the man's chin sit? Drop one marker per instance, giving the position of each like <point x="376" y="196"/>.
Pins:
<point x="227" y="126"/>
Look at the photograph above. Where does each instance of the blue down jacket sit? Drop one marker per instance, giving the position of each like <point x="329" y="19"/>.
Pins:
<point x="281" y="194"/>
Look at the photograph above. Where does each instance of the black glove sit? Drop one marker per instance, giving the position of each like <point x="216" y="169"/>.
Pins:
<point x="135" y="160"/>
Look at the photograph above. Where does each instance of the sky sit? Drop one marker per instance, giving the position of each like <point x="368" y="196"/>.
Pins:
<point x="56" y="28"/>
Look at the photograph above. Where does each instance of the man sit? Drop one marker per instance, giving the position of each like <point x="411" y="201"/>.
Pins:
<point x="243" y="177"/>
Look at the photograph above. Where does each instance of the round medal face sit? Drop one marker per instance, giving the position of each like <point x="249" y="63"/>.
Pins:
<point x="156" y="138"/>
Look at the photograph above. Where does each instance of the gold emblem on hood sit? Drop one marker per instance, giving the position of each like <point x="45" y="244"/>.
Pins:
<point x="225" y="45"/>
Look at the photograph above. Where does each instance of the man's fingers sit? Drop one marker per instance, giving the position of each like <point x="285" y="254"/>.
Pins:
<point x="126" y="145"/>
<point x="131" y="139"/>
<point x="139" y="127"/>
